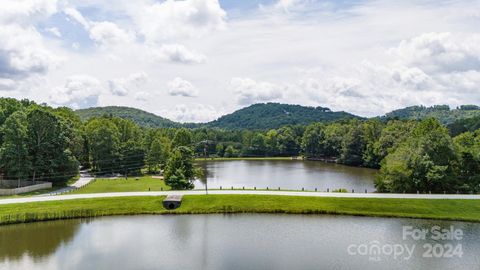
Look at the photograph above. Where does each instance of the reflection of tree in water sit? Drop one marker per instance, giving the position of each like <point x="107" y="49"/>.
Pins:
<point x="206" y="173"/>
<point x="36" y="240"/>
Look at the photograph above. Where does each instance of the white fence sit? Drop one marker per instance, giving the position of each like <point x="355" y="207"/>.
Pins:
<point x="23" y="189"/>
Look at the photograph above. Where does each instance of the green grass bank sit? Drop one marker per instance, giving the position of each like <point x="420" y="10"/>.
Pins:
<point x="243" y="158"/>
<point x="461" y="210"/>
<point x="141" y="183"/>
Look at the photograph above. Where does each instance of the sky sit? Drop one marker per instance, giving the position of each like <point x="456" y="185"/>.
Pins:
<point x="195" y="60"/>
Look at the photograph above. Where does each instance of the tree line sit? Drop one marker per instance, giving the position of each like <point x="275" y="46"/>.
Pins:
<point x="43" y="143"/>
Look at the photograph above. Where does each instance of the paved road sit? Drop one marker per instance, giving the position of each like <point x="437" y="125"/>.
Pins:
<point x="254" y="192"/>
<point x="84" y="179"/>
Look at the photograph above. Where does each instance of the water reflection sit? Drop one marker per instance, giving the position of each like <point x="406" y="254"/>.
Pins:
<point x="286" y="174"/>
<point x="222" y="242"/>
<point x="35" y="240"/>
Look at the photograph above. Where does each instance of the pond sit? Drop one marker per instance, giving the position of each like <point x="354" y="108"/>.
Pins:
<point x="252" y="241"/>
<point x="286" y="174"/>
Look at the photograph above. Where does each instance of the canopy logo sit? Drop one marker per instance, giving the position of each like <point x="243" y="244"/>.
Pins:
<point x="444" y="245"/>
<point x="375" y="251"/>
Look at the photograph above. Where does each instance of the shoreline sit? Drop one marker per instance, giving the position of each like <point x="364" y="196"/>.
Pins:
<point x="435" y="209"/>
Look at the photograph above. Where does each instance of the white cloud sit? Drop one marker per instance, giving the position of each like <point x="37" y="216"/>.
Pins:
<point x="79" y="91"/>
<point x="440" y="52"/>
<point x="103" y="33"/>
<point x="298" y="51"/>
<point x="121" y="86"/>
<point x="108" y="33"/>
<point x="178" y="53"/>
<point x="7" y="84"/>
<point x="288" y="5"/>
<point x="142" y="96"/>
<point x="159" y="21"/>
<point x="77" y="16"/>
<point x="117" y="88"/>
<point x="195" y="113"/>
<point x="26" y="11"/>
<point x="22" y="52"/>
<point x="181" y="87"/>
<point x="54" y="31"/>
<point x="249" y="91"/>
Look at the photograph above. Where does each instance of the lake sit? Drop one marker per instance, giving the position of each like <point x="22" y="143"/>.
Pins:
<point x="286" y="174"/>
<point x="247" y="241"/>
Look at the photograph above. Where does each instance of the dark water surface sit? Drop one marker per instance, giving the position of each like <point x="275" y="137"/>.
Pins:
<point x="227" y="242"/>
<point x="286" y="174"/>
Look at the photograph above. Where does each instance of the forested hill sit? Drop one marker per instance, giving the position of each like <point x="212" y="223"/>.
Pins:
<point x="441" y="112"/>
<point x="264" y="116"/>
<point x="275" y="115"/>
<point x="142" y="118"/>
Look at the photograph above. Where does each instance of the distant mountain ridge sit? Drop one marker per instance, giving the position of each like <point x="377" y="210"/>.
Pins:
<point x="441" y="112"/>
<point x="138" y="116"/>
<point x="275" y="115"/>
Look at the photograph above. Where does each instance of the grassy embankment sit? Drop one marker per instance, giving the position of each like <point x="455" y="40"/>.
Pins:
<point x="464" y="210"/>
<point x="242" y="158"/>
<point x="142" y="183"/>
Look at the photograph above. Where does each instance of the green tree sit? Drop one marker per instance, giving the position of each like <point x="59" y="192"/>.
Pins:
<point x="468" y="147"/>
<point x="425" y="162"/>
<point x="14" y="158"/>
<point x="179" y="172"/>
<point x="353" y="144"/>
<point x="313" y="145"/>
<point x="372" y="130"/>
<point x="392" y="135"/>
<point x="230" y="151"/>
<point x="183" y="137"/>
<point x="104" y="144"/>
<point x="287" y="142"/>
<point x="258" y="146"/>
<point x="334" y="134"/>
<point x="271" y="142"/>
<point x="220" y="149"/>
<point x="48" y="145"/>
<point x="131" y="158"/>
<point x="157" y="155"/>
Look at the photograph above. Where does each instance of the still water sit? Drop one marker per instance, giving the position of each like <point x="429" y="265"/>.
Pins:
<point x="228" y="242"/>
<point x="286" y="174"/>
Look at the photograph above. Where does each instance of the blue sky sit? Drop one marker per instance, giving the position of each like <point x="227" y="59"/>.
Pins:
<point x="195" y="60"/>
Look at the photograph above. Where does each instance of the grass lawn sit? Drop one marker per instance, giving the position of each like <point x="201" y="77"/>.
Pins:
<point x="243" y="158"/>
<point x="464" y="210"/>
<point x="121" y="185"/>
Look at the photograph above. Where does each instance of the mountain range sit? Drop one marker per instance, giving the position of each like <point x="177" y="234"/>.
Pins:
<point x="274" y="115"/>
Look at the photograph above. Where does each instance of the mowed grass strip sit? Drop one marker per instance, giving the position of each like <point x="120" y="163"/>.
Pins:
<point x="242" y="158"/>
<point x="142" y="183"/>
<point x="461" y="210"/>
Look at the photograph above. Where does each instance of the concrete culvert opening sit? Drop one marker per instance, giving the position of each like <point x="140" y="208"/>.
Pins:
<point x="172" y="202"/>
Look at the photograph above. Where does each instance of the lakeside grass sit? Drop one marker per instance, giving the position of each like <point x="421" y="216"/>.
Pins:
<point x="460" y="210"/>
<point x="144" y="183"/>
<point x="242" y="158"/>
